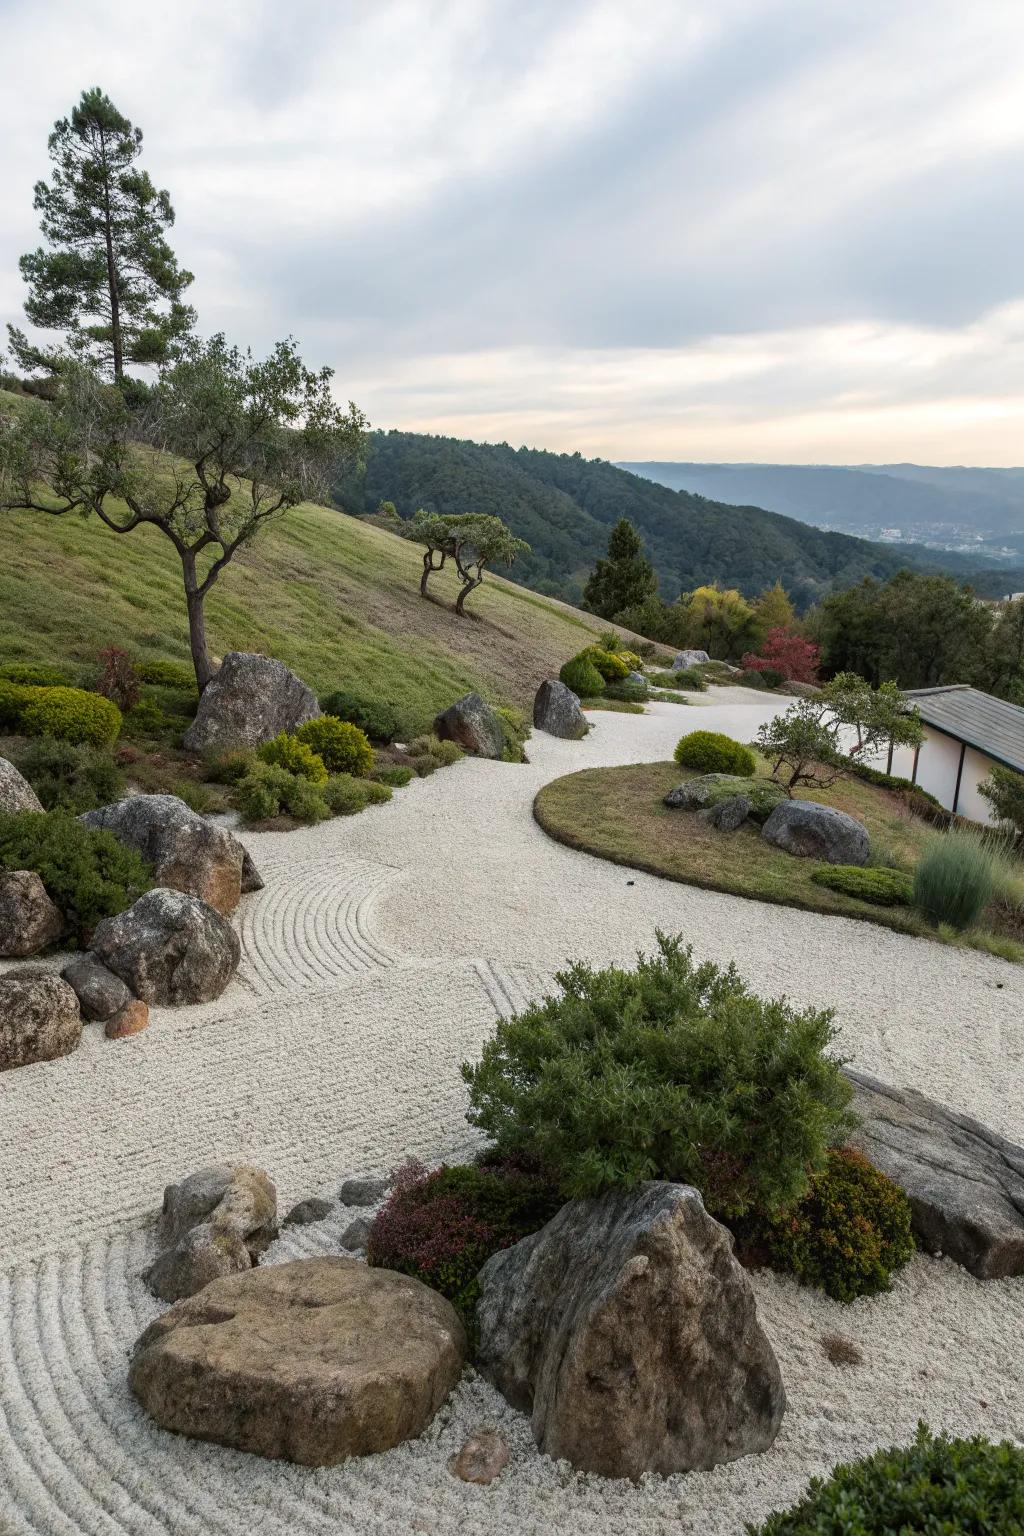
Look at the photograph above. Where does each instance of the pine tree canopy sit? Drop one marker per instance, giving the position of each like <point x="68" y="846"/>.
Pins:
<point x="623" y="580"/>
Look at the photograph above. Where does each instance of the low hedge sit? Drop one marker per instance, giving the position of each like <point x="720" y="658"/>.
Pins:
<point x="936" y="1485"/>
<point x="714" y="752"/>
<point x="881" y="887"/>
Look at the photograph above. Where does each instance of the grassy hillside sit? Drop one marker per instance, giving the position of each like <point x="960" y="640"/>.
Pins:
<point x="565" y="506"/>
<point x="336" y="599"/>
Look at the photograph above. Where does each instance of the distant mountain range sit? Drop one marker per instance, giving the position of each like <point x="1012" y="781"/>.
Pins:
<point x="565" y="506"/>
<point x="960" y="509"/>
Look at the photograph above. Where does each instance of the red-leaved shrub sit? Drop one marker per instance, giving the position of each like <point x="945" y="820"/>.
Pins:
<point x="120" y="681"/>
<point x="796" y="658"/>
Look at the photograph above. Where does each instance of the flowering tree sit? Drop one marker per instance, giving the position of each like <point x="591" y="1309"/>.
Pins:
<point x="796" y="658"/>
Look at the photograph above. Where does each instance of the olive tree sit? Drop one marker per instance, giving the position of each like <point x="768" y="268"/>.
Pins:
<point x="223" y="446"/>
<point x="805" y="745"/>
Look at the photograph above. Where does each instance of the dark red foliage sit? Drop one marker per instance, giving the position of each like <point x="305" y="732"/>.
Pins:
<point x="796" y="658"/>
<point x="119" y="682"/>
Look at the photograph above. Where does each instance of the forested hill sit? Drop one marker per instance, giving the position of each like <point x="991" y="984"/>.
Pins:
<point x="565" y="505"/>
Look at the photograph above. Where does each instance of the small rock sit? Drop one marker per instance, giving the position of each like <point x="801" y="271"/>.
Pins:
<point x="216" y="1222"/>
<point x="39" y="1019"/>
<point x="483" y="1457"/>
<point x="473" y="724"/>
<point x="132" y="1019"/>
<point x="727" y="815"/>
<point x="556" y="709"/>
<point x="357" y="1234"/>
<point x="170" y="949"/>
<point x="364" y="1189"/>
<point x="306" y="1212"/>
<point x="100" y="993"/>
<point x="29" y="921"/>
<point x="686" y="659"/>
<point x="16" y="793"/>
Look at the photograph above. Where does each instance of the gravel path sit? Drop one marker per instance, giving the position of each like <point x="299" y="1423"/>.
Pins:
<point x="375" y="960"/>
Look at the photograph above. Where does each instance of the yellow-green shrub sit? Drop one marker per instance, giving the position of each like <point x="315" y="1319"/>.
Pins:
<point x="342" y="746"/>
<point x="613" y="668"/>
<point x="295" y="757"/>
<point x="71" y="714"/>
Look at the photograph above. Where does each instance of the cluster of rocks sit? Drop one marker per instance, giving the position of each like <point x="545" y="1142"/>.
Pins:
<point x="800" y="827"/>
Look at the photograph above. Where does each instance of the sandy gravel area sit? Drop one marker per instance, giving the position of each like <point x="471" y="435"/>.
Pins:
<point x="375" y="960"/>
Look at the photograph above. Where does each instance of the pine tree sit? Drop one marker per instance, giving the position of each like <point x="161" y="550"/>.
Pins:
<point x="623" y="580"/>
<point x="110" y="281"/>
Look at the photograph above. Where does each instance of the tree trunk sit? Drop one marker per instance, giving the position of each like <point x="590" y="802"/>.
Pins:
<point x="115" y="302"/>
<point x="471" y="585"/>
<point x="194" y="599"/>
<point x="428" y="568"/>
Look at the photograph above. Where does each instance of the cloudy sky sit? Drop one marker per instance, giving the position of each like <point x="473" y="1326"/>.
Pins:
<point x="787" y="230"/>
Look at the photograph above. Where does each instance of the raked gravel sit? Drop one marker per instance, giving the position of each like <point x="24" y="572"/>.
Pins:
<point x="375" y="960"/>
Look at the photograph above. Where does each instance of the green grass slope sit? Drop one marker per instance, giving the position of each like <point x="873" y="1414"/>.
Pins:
<point x="335" y="599"/>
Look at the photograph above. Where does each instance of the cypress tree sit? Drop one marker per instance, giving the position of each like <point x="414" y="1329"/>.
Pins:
<point x="625" y="579"/>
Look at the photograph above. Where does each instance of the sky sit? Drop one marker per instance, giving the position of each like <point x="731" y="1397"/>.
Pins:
<point x="763" y="230"/>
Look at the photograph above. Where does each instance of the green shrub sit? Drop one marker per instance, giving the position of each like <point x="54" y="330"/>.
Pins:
<point x="71" y="714"/>
<point x="396" y="775"/>
<point x="880" y="886"/>
<point x="145" y="721"/>
<point x="752" y="679"/>
<point x="957" y="876"/>
<point x="342" y="747"/>
<point x="515" y="731"/>
<point x="764" y="795"/>
<point x="33" y="674"/>
<point x="848" y="1234"/>
<point x="268" y="789"/>
<point x="582" y="677"/>
<point x="14" y="697"/>
<point x="427" y="763"/>
<point x="936" y="1485"/>
<point x="772" y="677"/>
<point x="1004" y="791"/>
<point x="345" y="795"/>
<point x="713" y="752"/>
<point x="686" y="678"/>
<point x="672" y="1071"/>
<point x="88" y="874"/>
<point x="429" y="754"/>
<point x="198" y="797"/>
<point x="295" y="757"/>
<point x="628" y="692"/>
<point x="69" y="777"/>
<point x="167" y="674"/>
<point x="442" y="1227"/>
<point x="231" y="767"/>
<point x="380" y="721"/>
<point x="612" y="668"/>
<point x="304" y="800"/>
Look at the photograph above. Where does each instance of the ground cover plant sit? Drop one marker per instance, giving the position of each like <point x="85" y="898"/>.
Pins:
<point x="880" y="887"/>
<point x="671" y="1071"/>
<point x="88" y="874"/>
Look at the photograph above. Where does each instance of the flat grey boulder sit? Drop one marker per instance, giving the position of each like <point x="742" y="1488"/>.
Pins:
<point x="187" y="852"/>
<point x="250" y="700"/>
<point x="628" y="1331"/>
<point x="311" y="1362"/>
<point x="39" y="1019"/>
<point x="100" y="993"/>
<point x="965" y="1184"/>
<point x="556" y="709"/>
<point x="216" y="1222"/>
<point x="727" y="815"/>
<point x="474" y="725"/>
<point x="16" y="793"/>
<point x="684" y="659"/>
<point x="813" y="831"/>
<point x="29" y="920"/>
<point x="169" y="949"/>
<point x="364" y="1189"/>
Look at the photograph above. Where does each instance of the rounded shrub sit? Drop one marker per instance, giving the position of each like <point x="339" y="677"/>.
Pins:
<point x="752" y="678"/>
<point x="146" y="721"/>
<point x="268" y="790"/>
<point x="713" y="752"/>
<point x="956" y="1487"/>
<point x="346" y="795"/>
<point x="295" y="757"/>
<point x="396" y="775"/>
<point x="428" y="754"/>
<point x="87" y="873"/>
<point x="13" y="699"/>
<point x="33" y="674"/>
<point x="848" y="1234"/>
<point x="629" y="692"/>
<point x="612" y="667"/>
<point x="442" y="1227"/>
<point x="881" y="887"/>
<point x="379" y="720"/>
<point x="167" y="674"/>
<point x="671" y="1071"/>
<point x="69" y="777"/>
<point x="582" y="677"/>
<point x="71" y="714"/>
<point x="772" y="677"/>
<point x="342" y="746"/>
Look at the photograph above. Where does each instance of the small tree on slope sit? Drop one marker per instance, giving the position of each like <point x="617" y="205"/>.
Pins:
<point x="225" y="446"/>
<point x="473" y="540"/>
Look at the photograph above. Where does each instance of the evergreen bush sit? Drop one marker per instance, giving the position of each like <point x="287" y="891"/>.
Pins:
<point x="582" y="677"/>
<point x="33" y="674"/>
<point x="69" y="777"/>
<point x="71" y="714"/>
<point x="379" y="720"/>
<point x="713" y="752"/>
<point x="87" y="873"/>
<point x="295" y="756"/>
<point x="345" y="794"/>
<point x="342" y="746"/>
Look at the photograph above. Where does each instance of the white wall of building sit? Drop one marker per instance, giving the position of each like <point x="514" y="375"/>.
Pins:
<point x="937" y="766"/>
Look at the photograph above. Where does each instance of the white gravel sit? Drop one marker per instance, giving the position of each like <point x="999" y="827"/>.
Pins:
<point x="376" y="959"/>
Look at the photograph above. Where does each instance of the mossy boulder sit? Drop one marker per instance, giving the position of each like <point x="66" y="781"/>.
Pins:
<point x="711" y="789"/>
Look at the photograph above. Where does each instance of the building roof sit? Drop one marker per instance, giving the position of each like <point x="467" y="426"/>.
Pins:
<point x="992" y="725"/>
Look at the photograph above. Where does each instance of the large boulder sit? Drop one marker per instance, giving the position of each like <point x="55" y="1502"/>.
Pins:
<point x="250" y="700"/>
<point x="685" y="659"/>
<point x="16" y="793"/>
<point x="312" y="1361"/>
<point x="627" y="1330"/>
<point x="169" y="948"/>
<point x="474" y="725"/>
<point x="710" y="790"/>
<point x="216" y="1222"/>
<point x="965" y="1184"/>
<point x="187" y="852"/>
<point x="29" y="921"/>
<point x="556" y="709"/>
<point x="100" y="993"/>
<point x="39" y="1019"/>
<point x="813" y="831"/>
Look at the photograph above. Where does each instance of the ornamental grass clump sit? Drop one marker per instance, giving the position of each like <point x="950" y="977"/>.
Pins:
<point x="958" y="874"/>
<point x="935" y="1485"/>
<point x="671" y="1071"/>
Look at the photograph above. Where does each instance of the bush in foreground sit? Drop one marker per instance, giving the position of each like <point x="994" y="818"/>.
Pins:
<point x="672" y="1071"/>
<point x="342" y="746"/>
<point x="70" y="714"/>
<point x="957" y="875"/>
<point x="582" y="677"/>
<point x="295" y="757"/>
<point x="881" y="887"/>
<point x="849" y="1233"/>
<point x="69" y="777"/>
<point x="713" y="752"/>
<point x="88" y="874"/>
<point x="936" y="1485"/>
<point x="442" y="1227"/>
